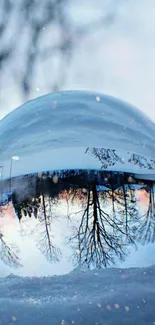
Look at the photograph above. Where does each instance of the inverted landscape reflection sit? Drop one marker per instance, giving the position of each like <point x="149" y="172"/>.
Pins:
<point x="77" y="218"/>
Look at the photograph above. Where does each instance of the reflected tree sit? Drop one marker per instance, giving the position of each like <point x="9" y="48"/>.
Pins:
<point x="26" y="208"/>
<point x="105" y="226"/>
<point x="110" y="157"/>
<point x="127" y="210"/>
<point x="46" y="241"/>
<point x="98" y="244"/>
<point x="146" y="227"/>
<point x="142" y="161"/>
<point x="107" y="157"/>
<point x="8" y="253"/>
<point x="41" y="208"/>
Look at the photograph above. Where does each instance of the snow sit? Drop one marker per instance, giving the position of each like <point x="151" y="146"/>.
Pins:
<point x="80" y="297"/>
<point x="62" y="126"/>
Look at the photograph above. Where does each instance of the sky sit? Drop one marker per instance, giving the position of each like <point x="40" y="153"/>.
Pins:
<point x="121" y="60"/>
<point x="116" y="60"/>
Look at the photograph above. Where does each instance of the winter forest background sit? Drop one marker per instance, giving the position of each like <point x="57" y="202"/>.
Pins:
<point x="107" y="45"/>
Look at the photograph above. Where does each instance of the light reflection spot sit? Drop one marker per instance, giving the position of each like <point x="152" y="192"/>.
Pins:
<point x="127" y="308"/>
<point x="116" y="306"/>
<point x="40" y="175"/>
<point x="16" y="158"/>
<point x="55" y="179"/>
<point x="98" y="99"/>
<point x="63" y="322"/>
<point x="14" y="318"/>
<point x="108" y="307"/>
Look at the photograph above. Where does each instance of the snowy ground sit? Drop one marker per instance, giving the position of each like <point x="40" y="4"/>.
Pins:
<point x="111" y="296"/>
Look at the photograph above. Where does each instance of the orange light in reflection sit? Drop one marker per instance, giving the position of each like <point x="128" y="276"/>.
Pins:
<point x="7" y="210"/>
<point x="142" y="196"/>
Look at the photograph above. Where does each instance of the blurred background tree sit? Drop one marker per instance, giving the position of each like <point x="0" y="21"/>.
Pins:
<point x="39" y="40"/>
<point x="101" y="45"/>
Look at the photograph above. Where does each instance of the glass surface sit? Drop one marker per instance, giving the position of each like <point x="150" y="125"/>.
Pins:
<point x="77" y="219"/>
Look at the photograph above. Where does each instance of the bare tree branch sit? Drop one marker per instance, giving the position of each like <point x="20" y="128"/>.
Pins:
<point x="8" y="254"/>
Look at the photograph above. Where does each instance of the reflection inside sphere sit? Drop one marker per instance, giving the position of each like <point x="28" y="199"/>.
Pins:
<point x="52" y="222"/>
